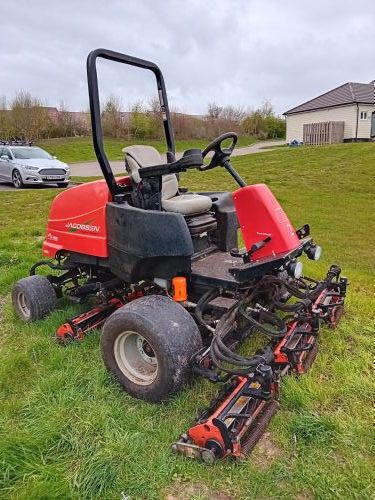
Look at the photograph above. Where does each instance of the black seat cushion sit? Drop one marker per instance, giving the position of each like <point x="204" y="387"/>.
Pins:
<point x="201" y="223"/>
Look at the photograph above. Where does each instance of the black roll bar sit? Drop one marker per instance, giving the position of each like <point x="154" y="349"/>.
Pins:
<point x="97" y="132"/>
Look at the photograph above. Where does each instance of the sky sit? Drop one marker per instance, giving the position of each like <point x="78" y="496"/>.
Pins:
<point x="238" y="52"/>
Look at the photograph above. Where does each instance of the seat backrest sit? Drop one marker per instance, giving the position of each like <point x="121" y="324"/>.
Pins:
<point x="137" y="157"/>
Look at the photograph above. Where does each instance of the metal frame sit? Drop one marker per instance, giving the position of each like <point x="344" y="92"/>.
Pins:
<point x="97" y="132"/>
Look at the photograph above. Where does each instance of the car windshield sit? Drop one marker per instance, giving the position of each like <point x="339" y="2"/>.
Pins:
<point x="24" y="153"/>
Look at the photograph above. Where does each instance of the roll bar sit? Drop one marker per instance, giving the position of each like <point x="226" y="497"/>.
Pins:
<point x="97" y="132"/>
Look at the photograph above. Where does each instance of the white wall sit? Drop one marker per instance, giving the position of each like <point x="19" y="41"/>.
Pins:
<point x="346" y="114"/>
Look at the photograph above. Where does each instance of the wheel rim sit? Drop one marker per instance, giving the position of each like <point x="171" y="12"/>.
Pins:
<point x="22" y="304"/>
<point x="17" y="181"/>
<point x="135" y="358"/>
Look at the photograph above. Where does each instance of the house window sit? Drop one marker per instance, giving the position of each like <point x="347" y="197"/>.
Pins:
<point x="363" y="115"/>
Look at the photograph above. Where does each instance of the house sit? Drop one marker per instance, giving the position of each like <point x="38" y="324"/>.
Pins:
<point x="344" y="114"/>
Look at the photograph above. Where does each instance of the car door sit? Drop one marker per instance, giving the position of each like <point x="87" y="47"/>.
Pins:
<point x="6" y="165"/>
<point x="3" y="165"/>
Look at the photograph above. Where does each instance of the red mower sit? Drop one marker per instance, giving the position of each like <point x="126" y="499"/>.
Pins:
<point x="174" y="294"/>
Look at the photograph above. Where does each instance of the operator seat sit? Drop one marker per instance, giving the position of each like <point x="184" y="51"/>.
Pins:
<point x="137" y="157"/>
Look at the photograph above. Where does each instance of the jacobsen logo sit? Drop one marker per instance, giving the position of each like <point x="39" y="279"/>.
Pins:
<point x="86" y="226"/>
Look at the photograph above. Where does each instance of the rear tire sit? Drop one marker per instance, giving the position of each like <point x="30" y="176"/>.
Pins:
<point x="33" y="298"/>
<point x="17" y="179"/>
<point x="148" y="345"/>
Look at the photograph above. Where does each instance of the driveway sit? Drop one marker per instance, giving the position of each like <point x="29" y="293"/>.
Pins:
<point x="91" y="168"/>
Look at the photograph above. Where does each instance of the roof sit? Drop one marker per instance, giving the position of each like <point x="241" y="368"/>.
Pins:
<point x="15" y="143"/>
<point x="349" y="93"/>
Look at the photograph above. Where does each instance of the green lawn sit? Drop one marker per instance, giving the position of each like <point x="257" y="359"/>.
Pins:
<point x="77" y="149"/>
<point x="67" y="431"/>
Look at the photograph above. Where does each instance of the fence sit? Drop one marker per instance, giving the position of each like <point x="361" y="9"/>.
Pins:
<point x="323" y="133"/>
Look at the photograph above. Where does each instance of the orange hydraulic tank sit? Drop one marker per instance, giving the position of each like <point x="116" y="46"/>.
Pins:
<point x="179" y="289"/>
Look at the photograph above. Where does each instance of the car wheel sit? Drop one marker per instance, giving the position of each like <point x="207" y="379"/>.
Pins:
<point x="148" y="345"/>
<point x="63" y="185"/>
<point x="17" y="179"/>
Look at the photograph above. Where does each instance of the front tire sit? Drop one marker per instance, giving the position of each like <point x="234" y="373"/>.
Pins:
<point x="17" y="179"/>
<point x="33" y="298"/>
<point x="148" y="345"/>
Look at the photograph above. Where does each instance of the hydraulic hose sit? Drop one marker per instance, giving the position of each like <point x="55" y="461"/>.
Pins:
<point x="222" y="354"/>
<point x="269" y="289"/>
<point x="259" y="317"/>
<point x="202" y="304"/>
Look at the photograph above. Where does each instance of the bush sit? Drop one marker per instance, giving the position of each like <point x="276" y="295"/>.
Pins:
<point x="143" y="124"/>
<point x="264" y="124"/>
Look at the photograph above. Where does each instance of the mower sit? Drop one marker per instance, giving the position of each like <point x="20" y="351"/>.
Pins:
<point x="174" y="294"/>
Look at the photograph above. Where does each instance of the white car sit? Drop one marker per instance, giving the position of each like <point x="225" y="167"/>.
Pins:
<point x="26" y="165"/>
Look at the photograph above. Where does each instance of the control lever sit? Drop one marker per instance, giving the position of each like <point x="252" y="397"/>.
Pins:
<point x="246" y="254"/>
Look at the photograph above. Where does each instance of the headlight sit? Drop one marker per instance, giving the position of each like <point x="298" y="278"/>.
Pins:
<point x="295" y="269"/>
<point x="314" y="252"/>
<point x="30" y="168"/>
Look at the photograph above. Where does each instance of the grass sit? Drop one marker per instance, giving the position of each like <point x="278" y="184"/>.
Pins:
<point x="67" y="431"/>
<point x="79" y="149"/>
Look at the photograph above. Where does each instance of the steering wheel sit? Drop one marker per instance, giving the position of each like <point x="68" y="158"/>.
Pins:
<point x="221" y="155"/>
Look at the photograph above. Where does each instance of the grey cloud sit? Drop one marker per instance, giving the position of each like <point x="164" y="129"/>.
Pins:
<point x="228" y="51"/>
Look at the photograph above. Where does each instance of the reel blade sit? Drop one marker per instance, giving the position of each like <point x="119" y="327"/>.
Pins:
<point x="310" y="358"/>
<point x="257" y="430"/>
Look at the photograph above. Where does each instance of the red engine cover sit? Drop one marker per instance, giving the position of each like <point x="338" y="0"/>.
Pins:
<point x="260" y="215"/>
<point x="77" y="220"/>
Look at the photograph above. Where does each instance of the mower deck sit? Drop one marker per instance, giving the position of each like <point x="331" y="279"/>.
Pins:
<point x="236" y="420"/>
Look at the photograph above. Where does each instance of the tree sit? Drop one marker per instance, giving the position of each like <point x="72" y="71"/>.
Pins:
<point x="30" y="121"/>
<point x="5" y="119"/>
<point x="112" y="120"/>
<point x="264" y="124"/>
<point x="141" y="125"/>
<point x="214" y="111"/>
<point x="275" y="127"/>
<point x="253" y="124"/>
<point x="266" y="109"/>
<point x="233" y="114"/>
<point x="155" y="114"/>
<point x="65" y="123"/>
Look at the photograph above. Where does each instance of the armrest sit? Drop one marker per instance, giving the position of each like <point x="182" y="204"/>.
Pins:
<point x="191" y="159"/>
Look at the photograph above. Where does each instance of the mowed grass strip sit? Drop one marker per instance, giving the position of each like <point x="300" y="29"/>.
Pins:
<point x="68" y="431"/>
<point x="80" y="149"/>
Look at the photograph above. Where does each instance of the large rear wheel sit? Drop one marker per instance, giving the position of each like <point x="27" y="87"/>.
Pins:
<point x="148" y="345"/>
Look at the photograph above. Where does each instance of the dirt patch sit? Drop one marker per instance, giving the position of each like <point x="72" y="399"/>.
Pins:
<point x="182" y="491"/>
<point x="304" y="495"/>
<point x="351" y="344"/>
<point x="265" y="451"/>
<point x="340" y="459"/>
